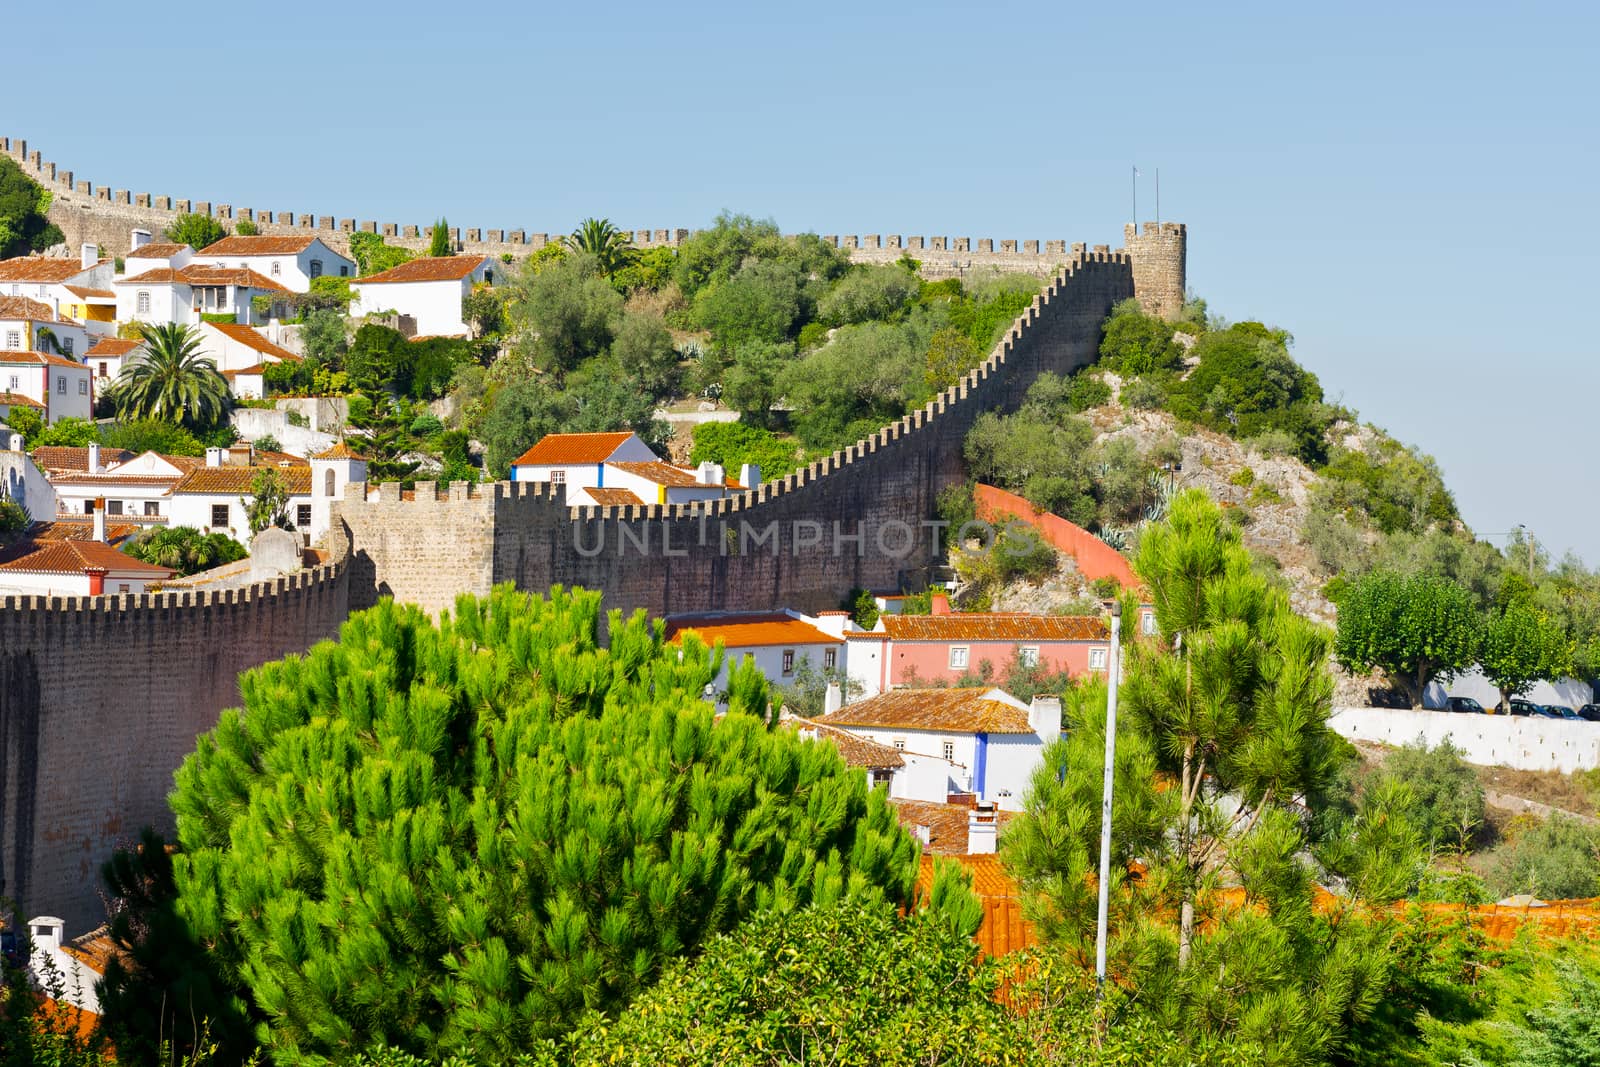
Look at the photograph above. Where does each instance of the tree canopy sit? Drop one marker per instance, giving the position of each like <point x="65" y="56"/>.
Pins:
<point x="1416" y="630"/>
<point x="25" y="224"/>
<point x="196" y="231"/>
<point x="173" y="380"/>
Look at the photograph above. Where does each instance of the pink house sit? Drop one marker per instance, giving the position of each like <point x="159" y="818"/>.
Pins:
<point x="920" y="650"/>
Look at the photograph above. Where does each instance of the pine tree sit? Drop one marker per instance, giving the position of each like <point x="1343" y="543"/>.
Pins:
<point x="456" y="838"/>
<point x="1223" y="750"/>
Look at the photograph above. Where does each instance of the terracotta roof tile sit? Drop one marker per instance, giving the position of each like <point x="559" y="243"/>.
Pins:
<point x="46" y="270"/>
<point x="426" y="269"/>
<point x="614" y="498"/>
<point x="235" y="481"/>
<point x="95" y="949"/>
<point x="112" y="346"/>
<point x="204" y="274"/>
<point x="952" y="710"/>
<point x="20" y="307"/>
<point x="81" y="528"/>
<point x="268" y="458"/>
<point x="114" y="479"/>
<point x="91" y="294"/>
<point x="253" y="338"/>
<point x="748" y="629"/>
<point x="662" y="474"/>
<point x="987" y="627"/>
<point x="947" y="827"/>
<point x="10" y="399"/>
<point x="74" y="557"/>
<point x="52" y="458"/>
<point x="165" y="250"/>
<point x="340" y="450"/>
<point x="857" y="751"/>
<point x="558" y="448"/>
<point x="40" y="359"/>
<point x="257" y="245"/>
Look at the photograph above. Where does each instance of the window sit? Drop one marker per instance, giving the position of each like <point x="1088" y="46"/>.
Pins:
<point x="15" y="382"/>
<point x="141" y="303"/>
<point x="558" y="477"/>
<point x="123" y="588"/>
<point x="488" y="277"/>
<point x="276" y="270"/>
<point x="61" y="384"/>
<point x="66" y="346"/>
<point x="83" y="387"/>
<point x="103" y="371"/>
<point x="830" y="659"/>
<point x="219" y="514"/>
<point x="344" y="272"/>
<point x="1097" y="659"/>
<point x="1147" y="622"/>
<point x="788" y="662"/>
<point x="899" y="744"/>
<point x="949" y="751"/>
<point x="327" y="482"/>
<point x="302" y="515"/>
<point x="958" y="657"/>
<point x="88" y="507"/>
<point x="152" y="508"/>
<point x="113" y="507"/>
<point x="13" y="339"/>
<point x="316" y="268"/>
<point x="1029" y="655"/>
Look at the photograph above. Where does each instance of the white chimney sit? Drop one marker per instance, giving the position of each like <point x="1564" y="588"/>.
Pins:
<point x="94" y="457"/>
<point x="1044" y="716"/>
<point x="983" y="831"/>
<point x="924" y="833"/>
<point x="709" y="473"/>
<point x="215" y="456"/>
<point x="140" y="239"/>
<point x="833" y="699"/>
<point x="100" y="519"/>
<point x="48" y="933"/>
<point x="90" y="254"/>
<point x="750" y="475"/>
<point x="15" y="443"/>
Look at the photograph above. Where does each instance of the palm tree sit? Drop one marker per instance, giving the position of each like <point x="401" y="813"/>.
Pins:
<point x="611" y="246"/>
<point x="172" y="381"/>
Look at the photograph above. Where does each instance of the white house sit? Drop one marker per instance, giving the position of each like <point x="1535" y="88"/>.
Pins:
<point x="979" y="741"/>
<point x="778" y="641"/>
<point x="30" y="325"/>
<point x="429" y="289"/>
<point x="618" y="469"/>
<point x="76" y="568"/>
<point x="241" y="354"/>
<point x="213" y="498"/>
<point x="289" y="261"/>
<point x="148" y="256"/>
<point x="54" y="386"/>
<point x="107" y="357"/>
<point x="77" y="289"/>
<point x="188" y="294"/>
<point x="132" y="487"/>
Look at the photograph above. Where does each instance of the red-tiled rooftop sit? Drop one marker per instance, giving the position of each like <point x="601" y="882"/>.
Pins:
<point x="253" y="338"/>
<point x="995" y="627"/>
<point x="164" y="250"/>
<point x="75" y="458"/>
<point x="235" y="481"/>
<point x="113" y="347"/>
<point x="46" y="270"/>
<point x="340" y="450"/>
<point x="748" y="629"/>
<point x="75" y="557"/>
<point x="560" y="448"/>
<point x="857" y="751"/>
<point x="425" y="269"/>
<point x="969" y="711"/>
<point x="20" y="307"/>
<point x="205" y="274"/>
<point x="91" y="294"/>
<point x="662" y="474"/>
<point x="614" y="498"/>
<point x="257" y="245"/>
<point x="10" y="399"/>
<point x="947" y="826"/>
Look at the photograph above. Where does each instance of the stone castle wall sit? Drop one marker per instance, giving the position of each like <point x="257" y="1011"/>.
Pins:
<point x="853" y="520"/>
<point x="100" y="214"/>
<point x="100" y="701"/>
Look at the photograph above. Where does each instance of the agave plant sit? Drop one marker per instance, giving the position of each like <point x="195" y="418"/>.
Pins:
<point x="613" y="248"/>
<point x="1115" y="536"/>
<point x="1161" y="492"/>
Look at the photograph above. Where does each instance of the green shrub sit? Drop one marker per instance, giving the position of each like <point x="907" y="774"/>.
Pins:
<point x="1242" y="477"/>
<point x="1087" y="390"/>
<point x="1556" y="859"/>
<point x="734" y="444"/>
<point x="1143" y="393"/>
<point x="426" y="425"/>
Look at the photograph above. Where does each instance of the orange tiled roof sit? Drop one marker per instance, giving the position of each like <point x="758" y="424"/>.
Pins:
<point x="95" y="949"/>
<point x="75" y="557"/>
<point x="340" y="450"/>
<point x="182" y="463"/>
<point x="235" y="481"/>
<point x="81" y="528"/>
<point x="614" y="498"/>
<point x="91" y="294"/>
<point x="40" y="358"/>
<point x="156" y="251"/>
<point x="558" y="448"/>
<point x="75" y="458"/>
<point x="748" y="629"/>
<point x="268" y="458"/>
<point x="205" y="274"/>
<point x="426" y="269"/>
<point x="20" y="307"/>
<point x="966" y="711"/>
<point x="986" y="627"/>
<point x="43" y="269"/>
<point x="662" y="474"/>
<point x="257" y="245"/>
<point x="10" y="399"/>
<point x="113" y="478"/>
<point x="253" y="338"/>
<point x="1004" y="929"/>
<point x="857" y="751"/>
<point x="947" y="830"/>
<point x="112" y="346"/>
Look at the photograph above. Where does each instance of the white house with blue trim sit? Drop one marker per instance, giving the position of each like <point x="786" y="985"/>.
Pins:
<point x="956" y="741"/>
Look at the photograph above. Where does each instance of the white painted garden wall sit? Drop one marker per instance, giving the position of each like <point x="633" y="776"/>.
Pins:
<point x="1526" y="744"/>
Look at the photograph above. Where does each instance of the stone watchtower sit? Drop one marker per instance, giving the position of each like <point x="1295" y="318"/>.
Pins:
<point x="1159" y="261"/>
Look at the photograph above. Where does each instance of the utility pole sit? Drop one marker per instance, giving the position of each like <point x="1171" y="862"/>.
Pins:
<point x="1113" y="678"/>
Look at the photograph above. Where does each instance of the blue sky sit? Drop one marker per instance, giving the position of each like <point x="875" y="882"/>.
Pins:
<point x="1407" y="191"/>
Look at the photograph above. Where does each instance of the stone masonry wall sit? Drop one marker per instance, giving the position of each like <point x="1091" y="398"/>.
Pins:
<point x="99" y="214"/>
<point x="789" y="543"/>
<point x="1160" y="266"/>
<point x="100" y="701"/>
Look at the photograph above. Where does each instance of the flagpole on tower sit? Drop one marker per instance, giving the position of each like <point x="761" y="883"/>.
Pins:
<point x="1158" y="198"/>
<point x="1136" y="196"/>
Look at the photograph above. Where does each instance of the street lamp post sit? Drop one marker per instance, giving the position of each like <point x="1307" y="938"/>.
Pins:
<point x="1113" y="677"/>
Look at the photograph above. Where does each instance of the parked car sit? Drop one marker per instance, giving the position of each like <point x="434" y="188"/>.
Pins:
<point x="1545" y="711"/>
<point x="1590" y="712"/>
<point x="1560" y="711"/>
<point x="1525" y="707"/>
<point x="1462" y="704"/>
